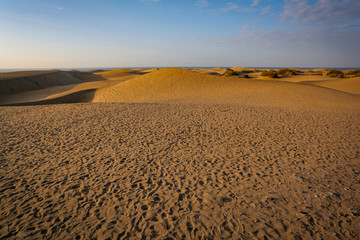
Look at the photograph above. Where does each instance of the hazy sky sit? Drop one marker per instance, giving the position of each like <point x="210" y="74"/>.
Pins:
<point x="144" y="33"/>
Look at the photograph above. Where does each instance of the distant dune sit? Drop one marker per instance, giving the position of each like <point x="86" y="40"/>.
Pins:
<point x="37" y="86"/>
<point x="28" y="81"/>
<point x="185" y="86"/>
<point x="198" y="85"/>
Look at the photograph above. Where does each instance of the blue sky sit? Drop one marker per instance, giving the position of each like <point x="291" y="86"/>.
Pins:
<point x="146" y="33"/>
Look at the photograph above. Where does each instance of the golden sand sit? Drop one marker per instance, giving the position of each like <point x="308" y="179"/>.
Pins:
<point x="178" y="154"/>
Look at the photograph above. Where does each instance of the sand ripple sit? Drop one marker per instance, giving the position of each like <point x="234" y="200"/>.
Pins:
<point x="126" y="171"/>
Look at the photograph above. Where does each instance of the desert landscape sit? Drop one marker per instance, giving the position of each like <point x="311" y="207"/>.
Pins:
<point x="175" y="153"/>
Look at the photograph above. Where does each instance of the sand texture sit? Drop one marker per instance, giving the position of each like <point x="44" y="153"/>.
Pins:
<point x="179" y="154"/>
<point x="181" y="171"/>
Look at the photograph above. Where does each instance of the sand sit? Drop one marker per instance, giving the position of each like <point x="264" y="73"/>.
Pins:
<point x="54" y="86"/>
<point x="179" y="154"/>
<point x="350" y="85"/>
<point x="184" y="86"/>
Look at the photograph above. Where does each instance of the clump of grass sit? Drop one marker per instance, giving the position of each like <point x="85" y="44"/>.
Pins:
<point x="229" y="72"/>
<point x="312" y="72"/>
<point x="286" y="72"/>
<point x="270" y="73"/>
<point x="353" y="73"/>
<point x="335" y="73"/>
<point x="246" y="76"/>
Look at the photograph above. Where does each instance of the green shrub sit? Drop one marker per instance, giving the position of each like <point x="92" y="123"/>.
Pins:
<point x="229" y="72"/>
<point x="335" y="73"/>
<point x="270" y="73"/>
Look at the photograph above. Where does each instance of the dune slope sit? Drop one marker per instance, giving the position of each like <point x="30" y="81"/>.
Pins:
<point x="35" y="81"/>
<point x="180" y="85"/>
<point x="38" y="86"/>
<point x="350" y="85"/>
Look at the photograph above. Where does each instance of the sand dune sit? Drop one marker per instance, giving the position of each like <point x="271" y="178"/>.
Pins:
<point x="178" y="154"/>
<point x="83" y="96"/>
<point x="123" y="74"/>
<point x="350" y="85"/>
<point x="36" y="86"/>
<point x="217" y="72"/>
<point x="18" y="74"/>
<point x="172" y="85"/>
<point x="180" y="85"/>
<point x="35" y="81"/>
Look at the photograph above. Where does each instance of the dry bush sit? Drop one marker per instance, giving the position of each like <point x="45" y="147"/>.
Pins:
<point x="229" y="72"/>
<point x="353" y="73"/>
<point x="312" y="72"/>
<point x="335" y="73"/>
<point x="246" y="76"/>
<point x="270" y="73"/>
<point x="286" y="72"/>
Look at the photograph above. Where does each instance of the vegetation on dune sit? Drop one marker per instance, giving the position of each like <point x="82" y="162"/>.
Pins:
<point x="247" y="71"/>
<point x="281" y="72"/>
<point x="353" y="73"/>
<point x="246" y="76"/>
<point x="286" y="72"/>
<point x="270" y="73"/>
<point x="335" y="73"/>
<point x="229" y="72"/>
<point x="318" y="73"/>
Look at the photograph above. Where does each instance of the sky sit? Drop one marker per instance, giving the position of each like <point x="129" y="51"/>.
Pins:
<point x="181" y="33"/>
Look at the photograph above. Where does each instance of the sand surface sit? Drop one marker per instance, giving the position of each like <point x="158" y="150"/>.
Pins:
<point x="39" y="86"/>
<point x="179" y="154"/>
<point x="185" y="86"/>
<point x="151" y="85"/>
<point x="182" y="171"/>
<point x="351" y="85"/>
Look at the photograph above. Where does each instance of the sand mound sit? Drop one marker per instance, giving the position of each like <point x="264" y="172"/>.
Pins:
<point x="36" y="86"/>
<point x="86" y="76"/>
<point x="10" y="75"/>
<point x="351" y="85"/>
<point x="28" y="81"/>
<point x="84" y="96"/>
<point x="209" y="71"/>
<point x="184" y="86"/>
<point x="122" y="74"/>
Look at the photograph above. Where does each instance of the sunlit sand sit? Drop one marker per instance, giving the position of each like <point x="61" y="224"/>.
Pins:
<point x="179" y="154"/>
